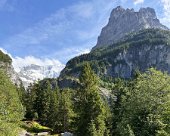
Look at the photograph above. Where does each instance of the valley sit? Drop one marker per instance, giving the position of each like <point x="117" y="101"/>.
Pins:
<point x="120" y="88"/>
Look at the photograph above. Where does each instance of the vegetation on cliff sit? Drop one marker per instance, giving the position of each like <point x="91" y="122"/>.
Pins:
<point x="101" y="59"/>
<point x="5" y="58"/>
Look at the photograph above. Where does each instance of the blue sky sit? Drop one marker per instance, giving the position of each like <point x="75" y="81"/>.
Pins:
<point x="60" y="29"/>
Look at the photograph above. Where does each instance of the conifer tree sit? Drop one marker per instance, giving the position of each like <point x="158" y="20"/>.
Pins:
<point x="22" y="93"/>
<point x="53" y="110"/>
<point x="29" y="101"/>
<point x="42" y="101"/>
<point x="65" y="111"/>
<point x="90" y="107"/>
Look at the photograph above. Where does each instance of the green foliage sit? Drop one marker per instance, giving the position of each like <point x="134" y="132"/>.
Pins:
<point x="89" y="106"/>
<point x="5" y="58"/>
<point x="52" y="120"/>
<point x="42" y="102"/>
<point x="35" y="127"/>
<point x="9" y="128"/>
<point x="10" y="106"/>
<point x="106" y="83"/>
<point x="118" y="98"/>
<point x="50" y="106"/>
<point x="65" y="112"/>
<point x="141" y="105"/>
<point x="29" y="99"/>
<point x="92" y="129"/>
<point x="11" y="109"/>
<point x="22" y="93"/>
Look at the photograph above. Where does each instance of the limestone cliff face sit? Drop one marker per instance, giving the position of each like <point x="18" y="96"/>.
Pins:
<point x="125" y="63"/>
<point x="128" y="61"/>
<point x="137" y="52"/>
<point x="123" y="21"/>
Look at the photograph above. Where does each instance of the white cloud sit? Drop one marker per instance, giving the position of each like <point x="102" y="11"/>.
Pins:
<point x="53" y="26"/>
<point x="123" y="1"/>
<point x="138" y="1"/>
<point x="82" y="9"/>
<point x="19" y="63"/>
<point x="74" y="25"/>
<point x="166" y="8"/>
<point x="82" y="51"/>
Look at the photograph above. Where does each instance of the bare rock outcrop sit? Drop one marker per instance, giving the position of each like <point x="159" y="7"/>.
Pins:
<point x="123" y="21"/>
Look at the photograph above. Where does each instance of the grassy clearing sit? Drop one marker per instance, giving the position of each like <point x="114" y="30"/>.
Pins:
<point x="34" y="127"/>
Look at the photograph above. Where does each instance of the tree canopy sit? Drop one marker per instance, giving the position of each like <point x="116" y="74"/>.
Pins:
<point x="11" y="109"/>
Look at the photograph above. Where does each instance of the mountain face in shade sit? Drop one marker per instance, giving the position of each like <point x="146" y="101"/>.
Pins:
<point x="123" y="21"/>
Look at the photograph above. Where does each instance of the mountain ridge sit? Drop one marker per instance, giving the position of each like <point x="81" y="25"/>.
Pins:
<point x="139" y="51"/>
<point x="123" y="21"/>
<point x="147" y="46"/>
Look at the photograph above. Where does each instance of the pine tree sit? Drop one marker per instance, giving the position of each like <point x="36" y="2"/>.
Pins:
<point x="119" y="95"/>
<point x="42" y="101"/>
<point x="90" y="107"/>
<point x="22" y="93"/>
<point x="53" y="110"/>
<point x="65" y="111"/>
<point x="29" y="100"/>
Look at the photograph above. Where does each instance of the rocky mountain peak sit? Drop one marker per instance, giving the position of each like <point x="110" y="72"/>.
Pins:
<point x="148" y="12"/>
<point x="123" y="21"/>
